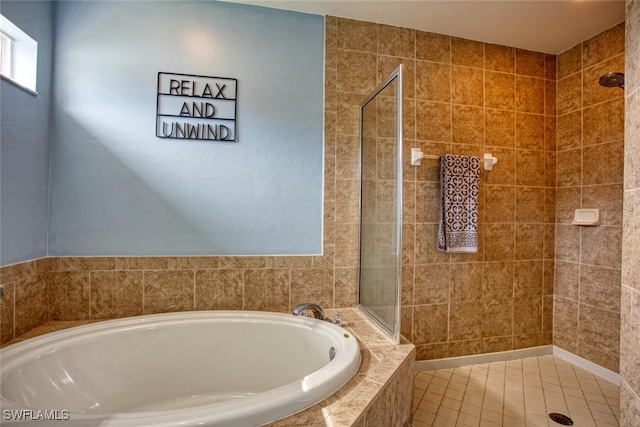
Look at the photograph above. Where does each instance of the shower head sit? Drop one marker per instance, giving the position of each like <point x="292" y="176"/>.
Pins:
<point x="612" y="80"/>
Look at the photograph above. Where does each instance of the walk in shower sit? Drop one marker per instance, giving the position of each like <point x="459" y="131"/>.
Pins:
<point x="380" y="264"/>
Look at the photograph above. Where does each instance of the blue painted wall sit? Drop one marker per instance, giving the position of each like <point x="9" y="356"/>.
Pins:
<point x="24" y="142"/>
<point x="117" y="189"/>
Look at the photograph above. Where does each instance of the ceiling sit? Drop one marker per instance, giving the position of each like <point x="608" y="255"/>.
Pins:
<point x="549" y="26"/>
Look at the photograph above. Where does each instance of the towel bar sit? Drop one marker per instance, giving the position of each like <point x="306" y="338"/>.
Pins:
<point x="417" y="155"/>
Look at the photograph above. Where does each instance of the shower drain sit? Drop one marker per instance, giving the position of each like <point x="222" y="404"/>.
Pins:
<point x="561" y="419"/>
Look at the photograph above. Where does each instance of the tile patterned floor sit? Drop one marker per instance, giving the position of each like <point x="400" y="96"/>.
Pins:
<point x="514" y="393"/>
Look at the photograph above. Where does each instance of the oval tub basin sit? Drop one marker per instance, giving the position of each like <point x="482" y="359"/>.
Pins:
<point x="211" y="368"/>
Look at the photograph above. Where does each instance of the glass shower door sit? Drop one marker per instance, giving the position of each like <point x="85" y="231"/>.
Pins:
<point x="380" y="267"/>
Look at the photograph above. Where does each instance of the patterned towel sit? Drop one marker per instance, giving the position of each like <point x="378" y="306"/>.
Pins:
<point x="460" y="180"/>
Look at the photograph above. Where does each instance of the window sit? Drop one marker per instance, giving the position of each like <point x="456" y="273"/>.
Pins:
<point x="18" y="56"/>
<point x="6" y="43"/>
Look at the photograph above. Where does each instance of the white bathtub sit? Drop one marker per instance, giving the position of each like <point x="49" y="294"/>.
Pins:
<point x="213" y="368"/>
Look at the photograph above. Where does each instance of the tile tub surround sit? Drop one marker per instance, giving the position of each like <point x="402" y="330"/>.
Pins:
<point x="86" y="288"/>
<point x="380" y="394"/>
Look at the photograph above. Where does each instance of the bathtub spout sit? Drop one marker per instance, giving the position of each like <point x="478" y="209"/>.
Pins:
<point x="318" y="313"/>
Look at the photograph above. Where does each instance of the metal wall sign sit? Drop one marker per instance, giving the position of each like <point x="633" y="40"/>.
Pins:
<point x="196" y="107"/>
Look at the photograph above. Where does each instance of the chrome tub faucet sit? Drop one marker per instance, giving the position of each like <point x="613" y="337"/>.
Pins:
<point x="317" y="311"/>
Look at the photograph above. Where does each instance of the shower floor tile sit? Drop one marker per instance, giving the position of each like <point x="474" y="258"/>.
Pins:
<point x="514" y="393"/>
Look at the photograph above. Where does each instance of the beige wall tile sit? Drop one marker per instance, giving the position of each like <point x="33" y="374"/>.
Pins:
<point x="567" y="282"/>
<point x="529" y="241"/>
<point x="601" y="246"/>
<point x="608" y="198"/>
<point x="347" y="159"/>
<point x="432" y="351"/>
<point x="356" y="72"/>
<point x="500" y="203"/>
<point x="569" y="131"/>
<point x="468" y="53"/>
<point x="599" y="329"/>
<point x="494" y="344"/>
<point x="550" y="98"/>
<point x="312" y="285"/>
<point x="7" y="313"/>
<point x="550" y="67"/>
<point x="527" y="316"/>
<point x="569" y="95"/>
<point x="242" y="262"/>
<point x="430" y="323"/>
<point x="600" y="287"/>
<point x="507" y="174"/>
<point x="500" y="128"/>
<point x="530" y="131"/>
<point x="348" y="113"/>
<point x="357" y="35"/>
<point x="345" y="288"/>
<point x="603" y="46"/>
<point x="467" y="86"/>
<point x="565" y="319"/>
<point x="529" y="278"/>
<point x="550" y="205"/>
<point x="219" y="289"/>
<point x="267" y="290"/>
<point x="595" y="171"/>
<point x="632" y="141"/>
<point x="630" y="324"/>
<point x="530" y="95"/>
<point x="550" y="160"/>
<point x="500" y="90"/>
<point x="530" y="204"/>
<point x="345" y="245"/>
<point x="68" y="295"/>
<point x="499" y="58"/>
<point x="433" y="81"/>
<point x="142" y="263"/>
<point x="530" y="167"/>
<point x="569" y="168"/>
<point x="530" y="63"/>
<point x="466" y="282"/>
<point x="497" y="318"/>
<point x="438" y="115"/>
<point x="425" y="245"/>
<point x="433" y="47"/>
<point x="116" y="294"/>
<point x="166" y="291"/>
<point x="431" y="285"/>
<point x="427" y="206"/>
<point x="396" y="41"/>
<point x="83" y="263"/>
<point x="550" y="133"/>
<point x="465" y="321"/>
<point x="193" y="262"/>
<point x="567" y="243"/>
<point x="498" y="280"/>
<point x="632" y="65"/>
<point x="499" y="242"/>
<point x="604" y="122"/>
<point x="570" y="61"/>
